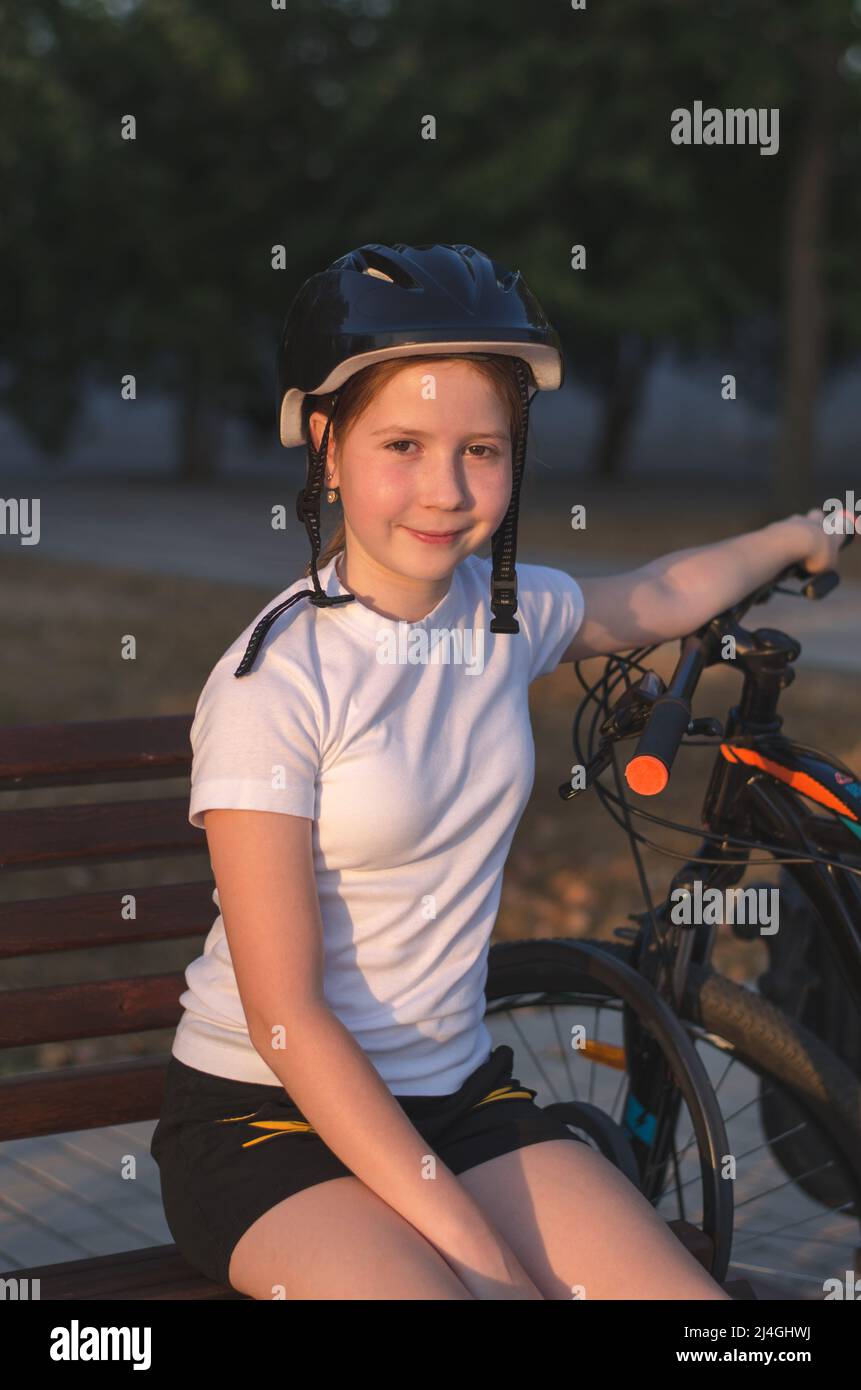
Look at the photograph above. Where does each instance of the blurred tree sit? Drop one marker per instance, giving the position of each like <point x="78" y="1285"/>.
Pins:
<point x="303" y="127"/>
<point x="794" y="211"/>
<point x="557" y="133"/>
<point x="153" y="256"/>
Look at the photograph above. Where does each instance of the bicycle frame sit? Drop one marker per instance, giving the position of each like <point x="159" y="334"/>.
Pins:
<point x="754" y="791"/>
<point x="753" y="796"/>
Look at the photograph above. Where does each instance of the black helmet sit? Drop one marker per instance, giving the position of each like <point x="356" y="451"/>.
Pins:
<point x="384" y="301"/>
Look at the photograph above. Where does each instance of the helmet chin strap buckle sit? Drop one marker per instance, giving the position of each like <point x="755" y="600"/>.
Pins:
<point x="503" y="595"/>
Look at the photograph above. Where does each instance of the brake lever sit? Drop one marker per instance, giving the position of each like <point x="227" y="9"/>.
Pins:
<point x="626" y="718"/>
<point x="598" y="764"/>
<point x="628" y="715"/>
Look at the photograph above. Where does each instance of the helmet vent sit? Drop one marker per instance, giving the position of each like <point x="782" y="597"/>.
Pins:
<point x="383" y="267"/>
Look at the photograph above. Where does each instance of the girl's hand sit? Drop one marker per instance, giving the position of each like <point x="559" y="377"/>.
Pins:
<point x="482" y="1258"/>
<point x="500" y="1277"/>
<point x="824" y="548"/>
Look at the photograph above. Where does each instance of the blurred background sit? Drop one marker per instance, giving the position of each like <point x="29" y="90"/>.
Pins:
<point x="271" y="138"/>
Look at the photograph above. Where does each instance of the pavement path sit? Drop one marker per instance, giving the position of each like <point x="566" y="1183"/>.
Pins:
<point x="224" y="534"/>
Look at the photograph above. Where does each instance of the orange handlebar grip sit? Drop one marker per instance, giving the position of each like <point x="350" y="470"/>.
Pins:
<point x="646" y="775"/>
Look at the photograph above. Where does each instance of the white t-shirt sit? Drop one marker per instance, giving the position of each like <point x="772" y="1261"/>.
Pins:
<point x="415" y="774"/>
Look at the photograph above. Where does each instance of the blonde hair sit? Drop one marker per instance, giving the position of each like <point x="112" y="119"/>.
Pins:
<point x="359" y="390"/>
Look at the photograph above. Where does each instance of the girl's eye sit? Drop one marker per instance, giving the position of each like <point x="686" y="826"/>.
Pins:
<point x="488" y="449"/>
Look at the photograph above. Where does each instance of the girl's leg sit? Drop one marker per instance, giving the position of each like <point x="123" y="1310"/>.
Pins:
<point x="339" y="1240"/>
<point x="581" y="1229"/>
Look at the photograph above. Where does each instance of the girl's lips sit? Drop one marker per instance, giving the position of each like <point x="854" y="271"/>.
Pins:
<point x="434" y="538"/>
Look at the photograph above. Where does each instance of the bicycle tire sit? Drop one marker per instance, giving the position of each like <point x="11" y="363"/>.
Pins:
<point x="776" y="1044"/>
<point x="566" y="965"/>
<point x="805" y="977"/>
<point x="813" y="1077"/>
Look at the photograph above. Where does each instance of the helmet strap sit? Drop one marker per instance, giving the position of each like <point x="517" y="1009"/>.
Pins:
<point x="308" y="512"/>
<point x="503" y="584"/>
<point x="308" y="504"/>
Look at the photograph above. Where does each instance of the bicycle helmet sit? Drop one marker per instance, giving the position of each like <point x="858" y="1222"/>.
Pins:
<point x="382" y="301"/>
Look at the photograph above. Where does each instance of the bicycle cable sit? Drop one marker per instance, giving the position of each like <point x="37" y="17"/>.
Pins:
<point x="637" y="654"/>
<point x="663" y="948"/>
<point x="776" y="853"/>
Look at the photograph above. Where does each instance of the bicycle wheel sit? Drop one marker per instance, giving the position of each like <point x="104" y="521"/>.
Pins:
<point x="538" y="992"/>
<point x="805" y="977"/>
<point x="807" y="1105"/>
<point x="805" y="981"/>
<point x="792" y="1109"/>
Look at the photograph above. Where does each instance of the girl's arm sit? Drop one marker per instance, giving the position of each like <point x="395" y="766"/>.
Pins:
<point x="675" y="594"/>
<point x="263" y="866"/>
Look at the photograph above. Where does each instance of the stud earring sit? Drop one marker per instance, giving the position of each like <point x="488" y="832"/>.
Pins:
<point x="332" y="494"/>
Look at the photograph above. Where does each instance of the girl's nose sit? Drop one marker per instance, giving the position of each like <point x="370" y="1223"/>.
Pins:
<point x="445" y="484"/>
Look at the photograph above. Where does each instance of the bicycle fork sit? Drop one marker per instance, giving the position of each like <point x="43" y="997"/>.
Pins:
<point x="651" y="1110"/>
<point x="654" y="1098"/>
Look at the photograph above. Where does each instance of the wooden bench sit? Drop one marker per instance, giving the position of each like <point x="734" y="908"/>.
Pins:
<point x="112" y="1092"/>
<point x="50" y="837"/>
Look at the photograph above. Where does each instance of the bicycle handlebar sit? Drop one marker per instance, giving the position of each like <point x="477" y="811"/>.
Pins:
<point x="648" y="771"/>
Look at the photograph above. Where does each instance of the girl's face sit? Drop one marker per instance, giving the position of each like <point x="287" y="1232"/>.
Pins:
<point x="431" y="454"/>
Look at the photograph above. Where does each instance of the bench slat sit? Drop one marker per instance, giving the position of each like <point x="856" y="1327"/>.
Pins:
<point x="158" y="1272"/>
<point x="90" y="920"/>
<point x="109" y="1093"/>
<point x="91" y="1097"/>
<point x="103" y="1009"/>
<point x="113" y="750"/>
<point x="51" y="835"/>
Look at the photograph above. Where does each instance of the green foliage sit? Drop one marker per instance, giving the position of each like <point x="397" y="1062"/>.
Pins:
<point x="302" y="126"/>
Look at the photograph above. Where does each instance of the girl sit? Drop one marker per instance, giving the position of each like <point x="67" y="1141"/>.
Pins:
<point x="336" y="1122"/>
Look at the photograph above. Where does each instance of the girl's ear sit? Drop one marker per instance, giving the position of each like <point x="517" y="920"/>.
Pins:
<point x="316" y="425"/>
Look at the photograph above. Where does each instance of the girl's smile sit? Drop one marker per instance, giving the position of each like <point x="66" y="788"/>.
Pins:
<point x="435" y="537"/>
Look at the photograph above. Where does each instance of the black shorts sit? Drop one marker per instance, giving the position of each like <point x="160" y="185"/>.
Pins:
<point x="228" y="1150"/>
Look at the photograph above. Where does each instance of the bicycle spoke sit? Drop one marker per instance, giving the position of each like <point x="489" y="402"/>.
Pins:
<point x="758" y="1149"/>
<point x="767" y="1193"/>
<point x="727" y="1118"/>
<point x="767" y="1144"/>
<point x="565" y="1052"/>
<point x="790" y="1182"/>
<point x="678" y="1184"/>
<point x="762" y="1132"/>
<point x="792" y="1225"/>
<point x="534" y="1058"/>
<point x="657" y="1158"/>
<point x="686" y="1183"/>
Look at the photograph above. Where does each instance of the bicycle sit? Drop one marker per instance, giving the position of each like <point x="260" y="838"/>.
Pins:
<point x="807" y="1103"/>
